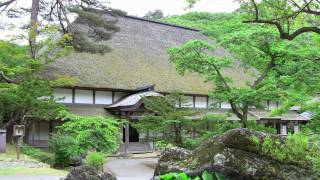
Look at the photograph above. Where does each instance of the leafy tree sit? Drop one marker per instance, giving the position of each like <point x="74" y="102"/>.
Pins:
<point x="291" y="17"/>
<point x="24" y="91"/>
<point x="283" y="67"/>
<point x="94" y="132"/>
<point x="166" y="118"/>
<point x="59" y="12"/>
<point x="155" y="15"/>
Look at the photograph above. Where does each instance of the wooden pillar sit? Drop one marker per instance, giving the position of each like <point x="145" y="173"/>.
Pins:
<point x="153" y="141"/>
<point x="50" y="128"/>
<point x="33" y="131"/>
<point x="126" y="138"/>
<point x="126" y="134"/>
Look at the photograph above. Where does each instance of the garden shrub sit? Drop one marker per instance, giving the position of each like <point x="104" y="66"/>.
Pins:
<point x="94" y="132"/>
<point x="190" y="143"/>
<point x="95" y="160"/>
<point x="296" y="148"/>
<point x="252" y="124"/>
<point x="65" y="149"/>
<point x="163" y="144"/>
<point x="37" y="154"/>
<point x="184" y="176"/>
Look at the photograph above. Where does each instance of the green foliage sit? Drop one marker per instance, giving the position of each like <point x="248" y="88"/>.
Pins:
<point x="100" y="29"/>
<point x="207" y="176"/>
<point x="92" y="132"/>
<point x="286" y="70"/>
<point x="260" y="127"/>
<point x="38" y="154"/>
<point x="165" y="118"/>
<point x="95" y="160"/>
<point x="65" y="149"/>
<point x="174" y="176"/>
<point x="27" y="92"/>
<point x="296" y="148"/>
<point x="289" y="17"/>
<point x="154" y="15"/>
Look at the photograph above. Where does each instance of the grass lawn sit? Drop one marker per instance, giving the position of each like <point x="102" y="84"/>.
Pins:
<point x="11" y="155"/>
<point x="32" y="171"/>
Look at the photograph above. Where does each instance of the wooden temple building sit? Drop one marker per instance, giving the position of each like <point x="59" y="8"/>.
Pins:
<point x="113" y="84"/>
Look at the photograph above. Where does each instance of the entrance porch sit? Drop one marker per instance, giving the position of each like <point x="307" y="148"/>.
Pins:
<point x="132" y="109"/>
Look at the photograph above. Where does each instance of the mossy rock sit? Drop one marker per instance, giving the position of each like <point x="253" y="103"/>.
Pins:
<point x="234" y="156"/>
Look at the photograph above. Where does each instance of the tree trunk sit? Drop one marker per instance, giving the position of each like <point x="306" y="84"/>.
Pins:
<point x="244" y="120"/>
<point x="34" y="30"/>
<point x="177" y="132"/>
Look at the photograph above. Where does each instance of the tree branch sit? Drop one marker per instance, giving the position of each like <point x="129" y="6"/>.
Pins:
<point x="234" y="108"/>
<point x="5" y="78"/>
<point x="283" y="34"/>
<point x="7" y="3"/>
<point x="270" y="65"/>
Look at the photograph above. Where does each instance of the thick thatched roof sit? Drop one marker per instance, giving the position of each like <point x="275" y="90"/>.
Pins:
<point x="138" y="59"/>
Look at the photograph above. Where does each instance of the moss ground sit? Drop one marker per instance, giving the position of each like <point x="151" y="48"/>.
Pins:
<point x="11" y="154"/>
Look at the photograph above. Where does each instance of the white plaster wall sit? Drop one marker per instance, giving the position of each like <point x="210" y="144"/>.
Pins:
<point x="283" y="130"/>
<point x="66" y="94"/>
<point x="200" y="102"/>
<point x="296" y="128"/>
<point x="83" y="96"/>
<point x="103" y="97"/>
<point x="225" y="105"/>
<point x="188" y="102"/>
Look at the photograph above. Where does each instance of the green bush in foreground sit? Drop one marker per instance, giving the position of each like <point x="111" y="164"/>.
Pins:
<point x="92" y="132"/>
<point x="65" y="149"/>
<point x="184" y="176"/>
<point x="95" y="160"/>
<point x="296" y="148"/>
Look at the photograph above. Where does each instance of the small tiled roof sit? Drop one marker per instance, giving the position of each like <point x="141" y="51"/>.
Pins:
<point x="266" y="114"/>
<point x="133" y="99"/>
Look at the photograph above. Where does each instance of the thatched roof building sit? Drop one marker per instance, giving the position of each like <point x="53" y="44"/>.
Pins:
<point x="137" y="67"/>
<point x="138" y="59"/>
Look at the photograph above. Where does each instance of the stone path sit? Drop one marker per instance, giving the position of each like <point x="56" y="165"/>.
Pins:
<point x="132" y="168"/>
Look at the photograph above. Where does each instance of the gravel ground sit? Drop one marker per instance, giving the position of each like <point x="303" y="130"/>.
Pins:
<point x="24" y="177"/>
<point x="22" y="164"/>
<point x="132" y="168"/>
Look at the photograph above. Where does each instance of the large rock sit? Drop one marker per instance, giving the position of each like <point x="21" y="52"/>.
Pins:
<point x="233" y="155"/>
<point x="87" y="173"/>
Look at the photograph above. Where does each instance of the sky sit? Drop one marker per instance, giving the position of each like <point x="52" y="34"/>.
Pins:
<point x="172" y="7"/>
<point x="132" y="7"/>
